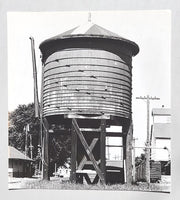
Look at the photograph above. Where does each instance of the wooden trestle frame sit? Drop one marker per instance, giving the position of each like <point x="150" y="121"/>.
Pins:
<point x="99" y="165"/>
<point x="100" y="171"/>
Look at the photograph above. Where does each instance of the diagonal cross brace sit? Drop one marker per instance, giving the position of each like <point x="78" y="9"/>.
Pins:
<point x="88" y="151"/>
<point x="84" y="159"/>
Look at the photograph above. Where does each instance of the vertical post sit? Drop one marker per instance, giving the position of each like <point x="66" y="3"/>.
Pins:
<point x="46" y="175"/>
<point x="31" y="147"/>
<point x="133" y="161"/>
<point x="129" y="155"/>
<point x="36" y="99"/>
<point x="147" y="150"/>
<point x="107" y="148"/>
<point x="147" y="145"/>
<point x="26" y="139"/>
<point x="40" y="141"/>
<point x="124" y="133"/>
<point x="102" y="148"/>
<point x="73" y="154"/>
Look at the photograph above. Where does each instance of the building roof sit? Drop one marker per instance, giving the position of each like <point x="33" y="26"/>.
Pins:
<point x="88" y="30"/>
<point x="162" y="130"/>
<point x="161" y="112"/>
<point x="13" y="153"/>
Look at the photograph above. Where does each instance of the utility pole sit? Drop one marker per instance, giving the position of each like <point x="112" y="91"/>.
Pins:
<point x="36" y="99"/>
<point x="147" y="149"/>
<point x="31" y="147"/>
<point x="133" y="160"/>
<point x="26" y="139"/>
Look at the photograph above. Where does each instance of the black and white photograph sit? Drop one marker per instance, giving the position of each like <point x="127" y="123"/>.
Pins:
<point x="95" y="111"/>
<point x="89" y="100"/>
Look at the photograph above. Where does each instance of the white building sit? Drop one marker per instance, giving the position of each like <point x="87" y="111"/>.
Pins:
<point x="161" y="135"/>
<point x="64" y="171"/>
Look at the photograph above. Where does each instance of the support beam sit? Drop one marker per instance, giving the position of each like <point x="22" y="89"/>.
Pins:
<point x="46" y="175"/>
<point x="73" y="155"/>
<point x="84" y="159"/>
<point x="124" y="131"/>
<point x="88" y="151"/>
<point x="76" y="116"/>
<point x="129" y="155"/>
<point x="133" y="161"/>
<point x="102" y="148"/>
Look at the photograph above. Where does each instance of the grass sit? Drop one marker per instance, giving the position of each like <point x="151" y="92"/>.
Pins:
<point x="59" y="185"/>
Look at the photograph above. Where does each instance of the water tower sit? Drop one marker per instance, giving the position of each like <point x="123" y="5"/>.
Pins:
<point x="86" y="88"/>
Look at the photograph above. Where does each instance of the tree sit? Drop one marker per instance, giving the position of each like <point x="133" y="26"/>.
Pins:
<point x="18" y="119"/>
<point x="139" y="159"/>
<point x="59" y="150"/>
<point x="59" y="146"/>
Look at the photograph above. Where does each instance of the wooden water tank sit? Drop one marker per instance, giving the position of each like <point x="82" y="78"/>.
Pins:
<point x="88" y="72"/>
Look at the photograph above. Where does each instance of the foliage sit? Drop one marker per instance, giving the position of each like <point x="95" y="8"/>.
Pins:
<point x="139" y="159"/>
<point x="59" y="146"/>
<point x="18" y="119"/>
<point x="60" y="150"/>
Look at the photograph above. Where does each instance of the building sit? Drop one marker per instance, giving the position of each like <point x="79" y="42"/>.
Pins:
<point x="19" y="164"/>
<point x="161" y="138"/>
<point x="64" y="171"/>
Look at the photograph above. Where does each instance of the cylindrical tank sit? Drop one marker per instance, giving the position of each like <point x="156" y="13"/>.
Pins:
<point x="87" y="73"/>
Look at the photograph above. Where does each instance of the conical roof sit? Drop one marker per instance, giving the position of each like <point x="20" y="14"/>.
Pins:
<point x="89" y="30"/>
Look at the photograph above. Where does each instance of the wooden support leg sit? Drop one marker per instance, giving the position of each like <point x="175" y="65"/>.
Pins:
<point x="129" y="154"/>
<point x="124" y="156"/>
<point x="46" y="175"/>
<point x="102" y="148"/>
<point x="124" y="131"/>
<point x="73" y="155"/>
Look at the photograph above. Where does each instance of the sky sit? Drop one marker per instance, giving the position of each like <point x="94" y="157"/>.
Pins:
<point x="151" y="30"/>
